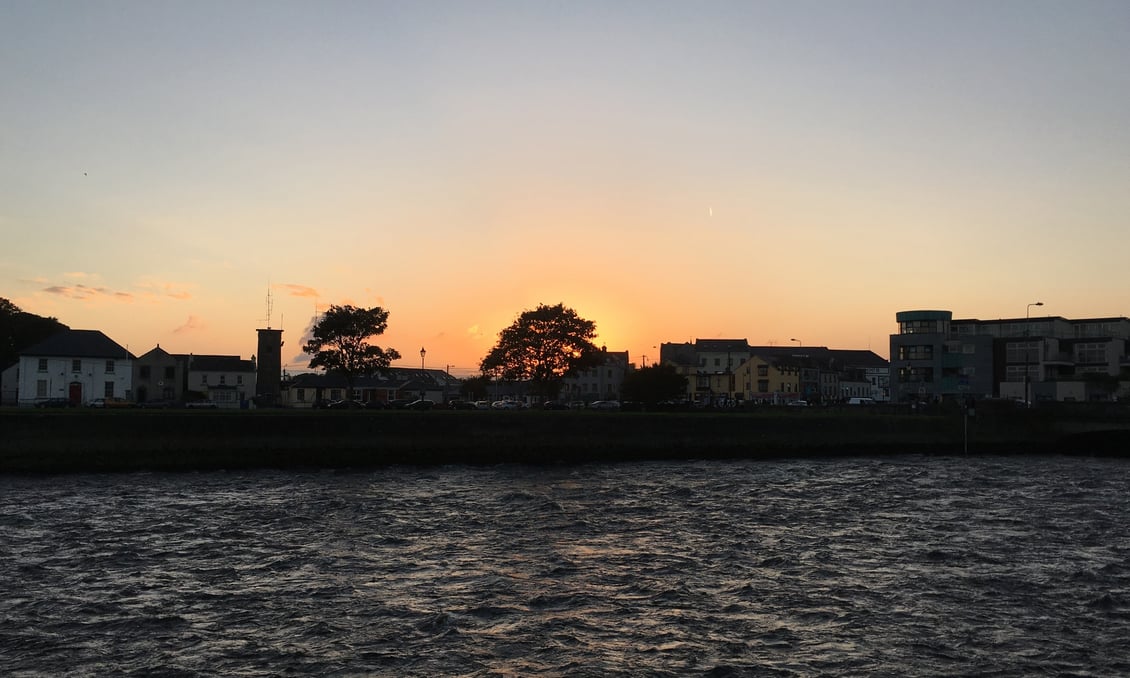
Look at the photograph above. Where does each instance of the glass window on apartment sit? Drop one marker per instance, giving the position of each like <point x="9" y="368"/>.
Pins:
<point x="1022" y="352"/>
<point x="170" y="372"/>
<point x="239" y="379"/>
<point x="763" y="371"/>
<point x="108" y="389"/>
<point x="109" y="367"/>
<point x="919" y="352"/>
<point x="763" y="385"/>
<point x="41" y="388"/>
<point x="43" y="364"/>
<point x="223" y="379"/>
<point x="1018" y="372"/>
<point x="301" y="395"/>
<point x="1090" y="353"/>
<point x="76" y="366"/>
<point x="204" y="379"/>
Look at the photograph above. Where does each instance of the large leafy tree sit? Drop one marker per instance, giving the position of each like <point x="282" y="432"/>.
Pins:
<point x="651" y="385"/>
<point x="542" y="347"/>
<point x="20" y="329"/>
<point x="341" y="342"/>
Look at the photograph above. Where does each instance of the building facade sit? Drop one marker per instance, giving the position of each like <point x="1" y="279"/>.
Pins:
<point x="76" y="365"/>
<point x="602" y="382"/>
<point x="934" y="356"/>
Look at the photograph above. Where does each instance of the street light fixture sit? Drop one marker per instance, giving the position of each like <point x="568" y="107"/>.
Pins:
<point x="1028" y="351"/>
<point x="799" y="342"/>
<point x="422" y="352"/>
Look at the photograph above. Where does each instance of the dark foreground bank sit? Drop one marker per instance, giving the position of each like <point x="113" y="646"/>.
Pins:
<point x="83" y="441"/>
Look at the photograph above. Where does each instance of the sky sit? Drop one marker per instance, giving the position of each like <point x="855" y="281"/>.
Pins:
<point x="183" y="173"/>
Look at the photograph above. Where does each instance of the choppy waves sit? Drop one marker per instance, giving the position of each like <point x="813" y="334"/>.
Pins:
<point x="908" y="566"/>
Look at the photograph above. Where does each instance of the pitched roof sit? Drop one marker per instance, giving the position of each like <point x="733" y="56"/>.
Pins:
<point x="220" y="363"/>
<point x="721" y="345"/>
<point x="77" y="344"/>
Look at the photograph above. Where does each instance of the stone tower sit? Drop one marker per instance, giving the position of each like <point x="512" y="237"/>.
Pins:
<point x="268" y="375"/>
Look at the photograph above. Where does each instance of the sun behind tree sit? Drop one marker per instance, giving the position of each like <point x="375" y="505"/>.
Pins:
<point x="542" y="347"/>
<point x="341" y="343"/>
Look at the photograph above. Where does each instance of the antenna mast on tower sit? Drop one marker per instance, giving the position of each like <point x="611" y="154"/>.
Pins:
<point x="270" y="305"/>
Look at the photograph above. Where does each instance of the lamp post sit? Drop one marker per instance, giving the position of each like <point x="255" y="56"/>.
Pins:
<point x="1028" y="351"/>
<point x="799" y="342"/>
<point x="422" y="353"/>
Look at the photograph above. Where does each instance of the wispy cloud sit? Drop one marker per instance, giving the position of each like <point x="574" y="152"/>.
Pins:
<point x="474" y="331"/>
<point x="159" y="289"/>
<point x="297" y="290"/>
<point x="86" y="293"/>
<point x="193" y="324"/>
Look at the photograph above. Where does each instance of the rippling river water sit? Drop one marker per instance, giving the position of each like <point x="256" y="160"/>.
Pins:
<point x="895" y="566"/>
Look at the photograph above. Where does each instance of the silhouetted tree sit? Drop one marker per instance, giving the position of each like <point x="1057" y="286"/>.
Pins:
<point x="651" y="385"/>
<point x="542" y="347"/>
<point x="341" y="343"/>
<point x="475" y="388"/>
<point x="20" y="329"/>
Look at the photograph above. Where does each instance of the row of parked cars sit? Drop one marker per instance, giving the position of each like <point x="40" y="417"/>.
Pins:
<point x="459" y="404"/>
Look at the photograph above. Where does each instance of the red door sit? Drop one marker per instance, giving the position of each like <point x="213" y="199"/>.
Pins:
<point x="75" y="393"/>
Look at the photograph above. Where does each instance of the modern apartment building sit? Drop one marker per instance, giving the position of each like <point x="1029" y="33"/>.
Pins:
<point x="934" y="356"/>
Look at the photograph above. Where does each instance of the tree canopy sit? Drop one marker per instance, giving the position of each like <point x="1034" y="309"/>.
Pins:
<point x="654" y="384"/>
<point x="542" y="347"/>
<point x="340" y="342"/>
<point x="20" y="329"/>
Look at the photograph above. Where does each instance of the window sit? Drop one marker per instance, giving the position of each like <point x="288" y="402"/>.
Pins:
<point x="1017" y="372"/>
<point x="109" y="367"/>
<point x="144" y="372"/>
<point x="763" y="385"/>
<point x="41" y="388"/>
<point x="763" y="371"/>
<point x="1022" y="352"/>
<point x="301" y="395"/>
<point x="170" y="372"/>
<point x="1090" y="353"/>
<point x="76" y="366"/>
<point x="922" y="352"/>
<point x="717" y="362"/>
<point x="204" y="379"/>
<point x="108" y="389"/>
<point x="223" y="379"/>
<point x="239" y="379"/>
<point x="43" y="364"/>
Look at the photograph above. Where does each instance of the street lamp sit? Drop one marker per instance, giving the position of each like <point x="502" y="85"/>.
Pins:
<point x="1028" y="351"/>
<point x="422" y="352"/>
<point x="799" y="342"/>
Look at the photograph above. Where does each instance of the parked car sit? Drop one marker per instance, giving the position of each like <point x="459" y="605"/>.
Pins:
<point x="482" y="404"/>
<point x="604" y="405"/>
<point x="797" y="403"/>
<point x="399" y="403"/>
<point x="461" y="404"/>
<point x="55" y="402"/>
<point x="375" y="405"/>
<point x="554" y="405"/>
<point x="506" y="405"/>
<point x="346" y="405"/>
<point x="421" y="404"/>
<point x="201" y="405"/>
<point x="157" y="404"/>
<point x="110" y="403"/>
<point x="861" y="401"/>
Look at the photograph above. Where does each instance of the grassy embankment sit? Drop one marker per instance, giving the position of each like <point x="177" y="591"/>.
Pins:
<point x="74" y="441"/>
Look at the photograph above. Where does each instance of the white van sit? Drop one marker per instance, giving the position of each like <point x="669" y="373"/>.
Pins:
<point x="861" y="401"/>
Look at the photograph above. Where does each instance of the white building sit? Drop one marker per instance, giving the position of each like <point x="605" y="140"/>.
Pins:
<point x="76" y="365"/>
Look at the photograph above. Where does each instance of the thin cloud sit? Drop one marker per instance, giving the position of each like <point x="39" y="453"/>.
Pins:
<point x="159" y="289"/>
<point x="193" y="324"/>
<point x="298" y="290"/>
<point x="474" y="331"/>
<point x="85" y="292"/>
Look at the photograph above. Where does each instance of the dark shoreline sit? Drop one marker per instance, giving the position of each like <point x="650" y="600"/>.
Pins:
<point x="34" y="441"/>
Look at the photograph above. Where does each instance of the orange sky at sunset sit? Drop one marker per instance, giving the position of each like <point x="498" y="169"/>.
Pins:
<point x="763" y="170"/>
